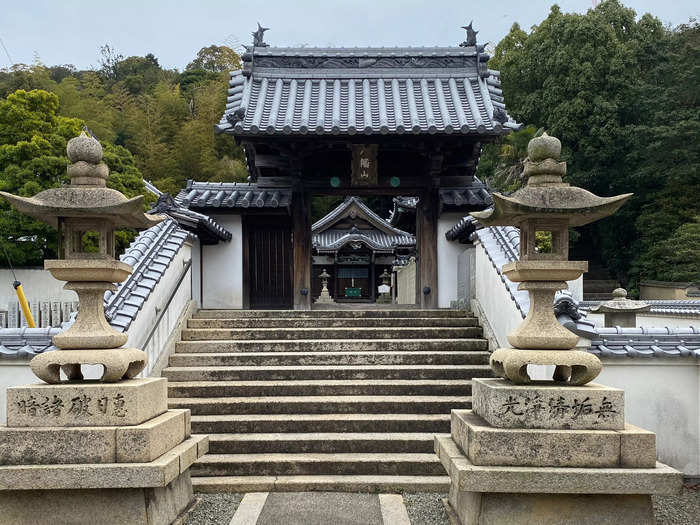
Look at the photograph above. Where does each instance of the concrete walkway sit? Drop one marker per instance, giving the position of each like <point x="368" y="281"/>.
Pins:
<point x="320" y="508"/>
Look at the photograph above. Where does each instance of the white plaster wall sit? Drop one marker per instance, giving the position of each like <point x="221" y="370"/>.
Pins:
<point x="662" y="395"/>
<point x="13" y="374"/>
<point x="222" y="268"/>
<point x="652" y="320"/>
<point x="448" y="258"/>
<point x="196" y="272"/>
<point x="493" y="297"/>
<point x="141" y="327"/>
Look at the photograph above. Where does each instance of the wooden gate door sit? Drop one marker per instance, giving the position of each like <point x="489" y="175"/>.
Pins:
<point x="270" y="262"/>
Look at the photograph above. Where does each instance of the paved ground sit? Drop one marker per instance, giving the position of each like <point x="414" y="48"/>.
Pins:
<point x="427" y="509"/>
<point x="321" y="509"/>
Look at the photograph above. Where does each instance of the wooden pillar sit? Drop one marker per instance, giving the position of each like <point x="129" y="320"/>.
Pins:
<point x="427" y="213"/>
<point x="372" y="278"/>
<point x="301" y="238"/>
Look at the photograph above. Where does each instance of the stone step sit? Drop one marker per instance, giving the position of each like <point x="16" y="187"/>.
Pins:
<point x="316" y="387"/>
<point x="313" y="423"/>
<point x="371" y="484"/>
<point x="322" y="442"/>
<point x="322" y="404"/>
<point x="316" y="314"/>
<point x="335" y="345"/>
<point x="233" y="373"/>
<point x="276" y="464"/>
<point x="199" y="334"/>
<point x="328" y="358"/>
<point x="326" y="322"/>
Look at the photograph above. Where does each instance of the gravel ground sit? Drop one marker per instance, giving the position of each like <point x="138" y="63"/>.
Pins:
<point x="678" y="510"/>
<point x="427" y="508"/>
<point x="214" y="509"/>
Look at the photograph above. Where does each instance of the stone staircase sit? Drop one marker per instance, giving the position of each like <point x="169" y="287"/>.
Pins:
<point x="324" y="400"/>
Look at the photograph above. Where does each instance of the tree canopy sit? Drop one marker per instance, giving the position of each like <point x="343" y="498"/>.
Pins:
<point x="621" y="93"/>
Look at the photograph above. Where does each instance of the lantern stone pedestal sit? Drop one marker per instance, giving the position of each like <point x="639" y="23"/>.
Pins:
<point x="559" y="451"/>
<point x="551" y="454"/>
<point x="87" y="452"/>
<point x="92" y="452"/>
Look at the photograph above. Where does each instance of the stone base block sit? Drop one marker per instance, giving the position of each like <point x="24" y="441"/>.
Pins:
<point x="157" y="473"/>
<point x="126" y="506"/>
<point x="467" y="477"/>
<point x="571" y="367"/>
<point x="78" y="445"/>
<point x="546" y="405"/>
<point x="477" y="508"/>
<point x="118" y="363"/>
<point x="86" y="404"/>
<point x="484" y="444"/>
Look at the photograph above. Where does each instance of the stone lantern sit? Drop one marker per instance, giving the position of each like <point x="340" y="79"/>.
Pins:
<point x="545" y="204"/>
<point x="325" y="297"/>
<point x="385" y="288"/>
<point x="106" y="451"/>
<point x="548" y="451"/>
<point x="85" y="206"/>
<point x="620" y="311"/>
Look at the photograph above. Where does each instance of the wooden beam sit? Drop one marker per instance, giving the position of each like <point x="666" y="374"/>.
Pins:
<point x="427" y="213"/>
<point x="301" y="238"/>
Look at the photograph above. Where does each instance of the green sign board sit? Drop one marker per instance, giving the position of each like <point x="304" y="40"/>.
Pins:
<point x="353" y="292"/>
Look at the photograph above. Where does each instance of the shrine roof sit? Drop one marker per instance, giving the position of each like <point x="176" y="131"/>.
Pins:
<point x="24" y="343"/>
<point x="205" y="195"/>
<point x="381" y="237"/>
<point x="371" y="91"/>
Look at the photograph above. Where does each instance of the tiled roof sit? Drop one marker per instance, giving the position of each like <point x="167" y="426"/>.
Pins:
<point x="207" y="229"/>
<point x="232" y="195"/>
<point x="647" y="342"/>
<point x="332" y="239"/>
<point x="298" y="91"/>
<point x="464" y="228"/>
<point x="475" y="197"/>
<point x="150" y="254"/>
<point x="383" y="237"/>
<point x="502" y="245"/>
<point x="25" y="343"/>
<point x="675" y="308"/>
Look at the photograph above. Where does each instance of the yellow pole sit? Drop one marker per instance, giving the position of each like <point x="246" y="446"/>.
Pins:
<point x="24" y="304"/>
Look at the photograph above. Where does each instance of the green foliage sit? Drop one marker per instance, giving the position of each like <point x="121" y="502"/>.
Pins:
<point x="501" y="164"/>
<point x="675" y="258"/>
<point x="621" y="94"/>
<point x="215" y="59"/>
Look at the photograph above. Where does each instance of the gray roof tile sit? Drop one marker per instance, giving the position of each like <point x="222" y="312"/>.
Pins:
<point x="287" y="91"/>
<point x="232" y="195"/>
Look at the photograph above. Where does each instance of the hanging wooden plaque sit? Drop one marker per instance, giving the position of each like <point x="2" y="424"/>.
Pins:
<point x="364" y="165"/>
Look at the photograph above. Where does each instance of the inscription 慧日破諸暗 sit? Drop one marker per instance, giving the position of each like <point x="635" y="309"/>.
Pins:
<point x="78" y="406"/>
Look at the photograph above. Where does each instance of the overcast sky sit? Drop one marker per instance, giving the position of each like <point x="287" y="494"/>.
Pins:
<point x="71" y="31"/>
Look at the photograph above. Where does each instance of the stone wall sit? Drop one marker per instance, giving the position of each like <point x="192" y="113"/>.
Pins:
<point x="49" y="302"/>
<point x="406" y="284"/>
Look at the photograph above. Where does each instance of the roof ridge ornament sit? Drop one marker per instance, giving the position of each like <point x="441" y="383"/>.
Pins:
<point x="471" y="36"/>
<point x="259" y="35"/>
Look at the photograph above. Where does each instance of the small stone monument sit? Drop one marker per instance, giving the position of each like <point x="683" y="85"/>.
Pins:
<point x="559" y="451"/>
<point x="325" y="297"/>
<point x="620" y="311"/>
<point x="385" y="288"/>
<point x="106" y="451"/>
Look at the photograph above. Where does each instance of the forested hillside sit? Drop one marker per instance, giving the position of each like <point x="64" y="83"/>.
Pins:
<point x="622" y="94"/>
<point x="154" y="124"/>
